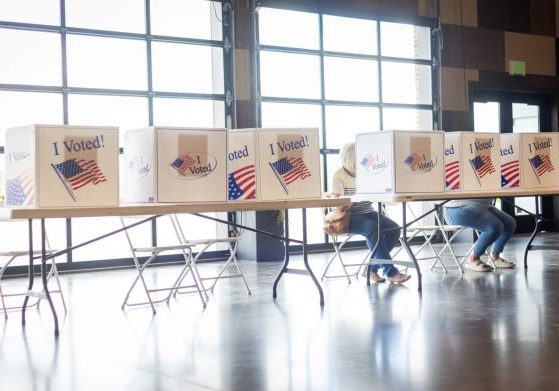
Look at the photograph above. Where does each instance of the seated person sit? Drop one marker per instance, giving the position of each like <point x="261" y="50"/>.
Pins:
<point x="494" y="227"/>
<point x="363" y="220"/>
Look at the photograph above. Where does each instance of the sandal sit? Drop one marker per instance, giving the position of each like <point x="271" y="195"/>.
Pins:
<point x="374" y="277"/>
<point x="477" y="266"/>
<point x="501" y="263"/>
<point x="399" y="278"/>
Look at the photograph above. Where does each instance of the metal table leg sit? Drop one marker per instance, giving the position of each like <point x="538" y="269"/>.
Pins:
<point x="286" y="255"/>
<point x="537" y="228"/>
<point x="306" y="260"/>
<point x="406" y="246"/>
<point x="31" y="276"/>
<point x="44" y="276"/>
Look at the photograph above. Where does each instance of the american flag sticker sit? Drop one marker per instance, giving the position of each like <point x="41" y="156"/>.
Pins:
<point x="510" y="174"/>
<point x="242" y="183"/>
<point x="289" y="170"/>
<point x="182" y="163"/>
<point x="541" y="163"/>
<point x="482" y="165"/>
<point x="20" y="190"/>
<point x="452" y="176"/>
<point x="77" y="173"/>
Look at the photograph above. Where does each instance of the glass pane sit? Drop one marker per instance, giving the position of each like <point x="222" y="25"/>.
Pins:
<point x="188" y="113"/>
<point x="31" y="11"/>
<point x="301" y="33"/>
<point x="14" y="109"/>
<point x="349" y="35"/>
<point x="15" y="238"/>
<point x="344" y="122"/>
<point x="407" y="119"/>
<point x="289" y="75"/>
<point x="30" y="57"/>
<point x="291" y="115"/>
<point x="113" y="247"/>
<point x="102" y="110"/>
<point x="527" y="203"/>
<point x="486" y="117"/>
<point x="333" y="162"/>
<point x="121" y="15"/>
<point x="187" y="68"/>
<point x="191" y="19"/>
<point x="350" y="79"/>
<point x="525" y="118"/>
<point x="99" y="62"/>
<point x="405" y="40"/>
<point x="315" y="234"/>
<point x="406" y="83"/>
<point x="193" y="228"/>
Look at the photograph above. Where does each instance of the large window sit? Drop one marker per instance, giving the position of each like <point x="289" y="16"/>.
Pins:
<point x="344" y="76"/>
<point x="126" y="63"/>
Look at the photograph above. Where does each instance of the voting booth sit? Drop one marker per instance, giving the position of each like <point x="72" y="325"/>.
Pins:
<point x="273" y="164"/>
<point x="528" y="160"/>
<point x="399" y="162"/>
<point x="167" y="164"/>
<point x="61" y="166"/>
<point x="472" y="161"/>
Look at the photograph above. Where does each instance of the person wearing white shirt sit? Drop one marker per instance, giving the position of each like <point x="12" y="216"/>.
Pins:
<point x="363" y="220"/>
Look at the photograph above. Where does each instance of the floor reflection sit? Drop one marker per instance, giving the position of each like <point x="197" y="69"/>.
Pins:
<point x="494" y="330"/>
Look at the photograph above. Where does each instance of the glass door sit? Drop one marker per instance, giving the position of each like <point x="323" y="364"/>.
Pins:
<point x="504" y="112"/>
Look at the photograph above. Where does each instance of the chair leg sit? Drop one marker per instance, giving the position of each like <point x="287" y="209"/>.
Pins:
<point x="232" y="258"/>
<point x="3" y="304"/>
<point x="188" y="267"/>
<point x="337" y="255"/>
<point x="140" y="276"/>
<point x="55" y="272"/>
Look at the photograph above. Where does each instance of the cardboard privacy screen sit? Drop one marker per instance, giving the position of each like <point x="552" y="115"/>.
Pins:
<point x="165" y="164"/>
<point x="61" y="166"/>
<point x="472" y="161"/>
<point x="399" y="162"/>
<point x="273" y="164"/>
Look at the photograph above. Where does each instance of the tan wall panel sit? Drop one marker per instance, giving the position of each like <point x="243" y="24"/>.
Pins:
<point x="450" y="12"/>
<point x="538" y="51"/>
<point x="454" y="88"/>
<point x="426" y="8"/>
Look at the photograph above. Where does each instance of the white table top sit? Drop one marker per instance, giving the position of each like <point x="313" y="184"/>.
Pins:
<point x="156" y="209"/>
<point x="409" y="197"/>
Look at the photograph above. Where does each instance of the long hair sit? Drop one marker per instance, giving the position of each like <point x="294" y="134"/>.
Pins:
<point x="347" y="157"/>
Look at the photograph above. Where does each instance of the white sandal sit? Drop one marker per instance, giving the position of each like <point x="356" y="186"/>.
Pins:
<point x="501" y="263"/>
<point x="477" y="266"/>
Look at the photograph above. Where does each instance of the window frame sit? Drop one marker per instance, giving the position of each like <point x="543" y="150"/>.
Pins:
<point x="64" y="90"/>
<point x="433" y="63"/>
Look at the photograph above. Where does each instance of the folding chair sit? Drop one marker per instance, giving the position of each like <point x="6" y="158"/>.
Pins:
<point x="429" y="232"/>
<point x="53" y="272"/>
<point x="232" y="244"/>
<point x="155" y="251"/>
<point x="338" y="246"/>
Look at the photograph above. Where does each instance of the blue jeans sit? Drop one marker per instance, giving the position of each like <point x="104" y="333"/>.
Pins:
<point x="366" y="224"/>
<point x="494" y="225"/>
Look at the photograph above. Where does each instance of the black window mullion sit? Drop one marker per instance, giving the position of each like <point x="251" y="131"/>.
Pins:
<point x="379" y="75"/>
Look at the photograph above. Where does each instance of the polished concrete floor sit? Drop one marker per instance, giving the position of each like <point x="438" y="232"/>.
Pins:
<point x="492" y="331"/>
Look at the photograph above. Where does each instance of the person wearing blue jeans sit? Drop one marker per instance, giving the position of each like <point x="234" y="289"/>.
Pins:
<point x="363" y="220"/>
<point x="366" y="224"/>
<point x="494" y="226"/>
